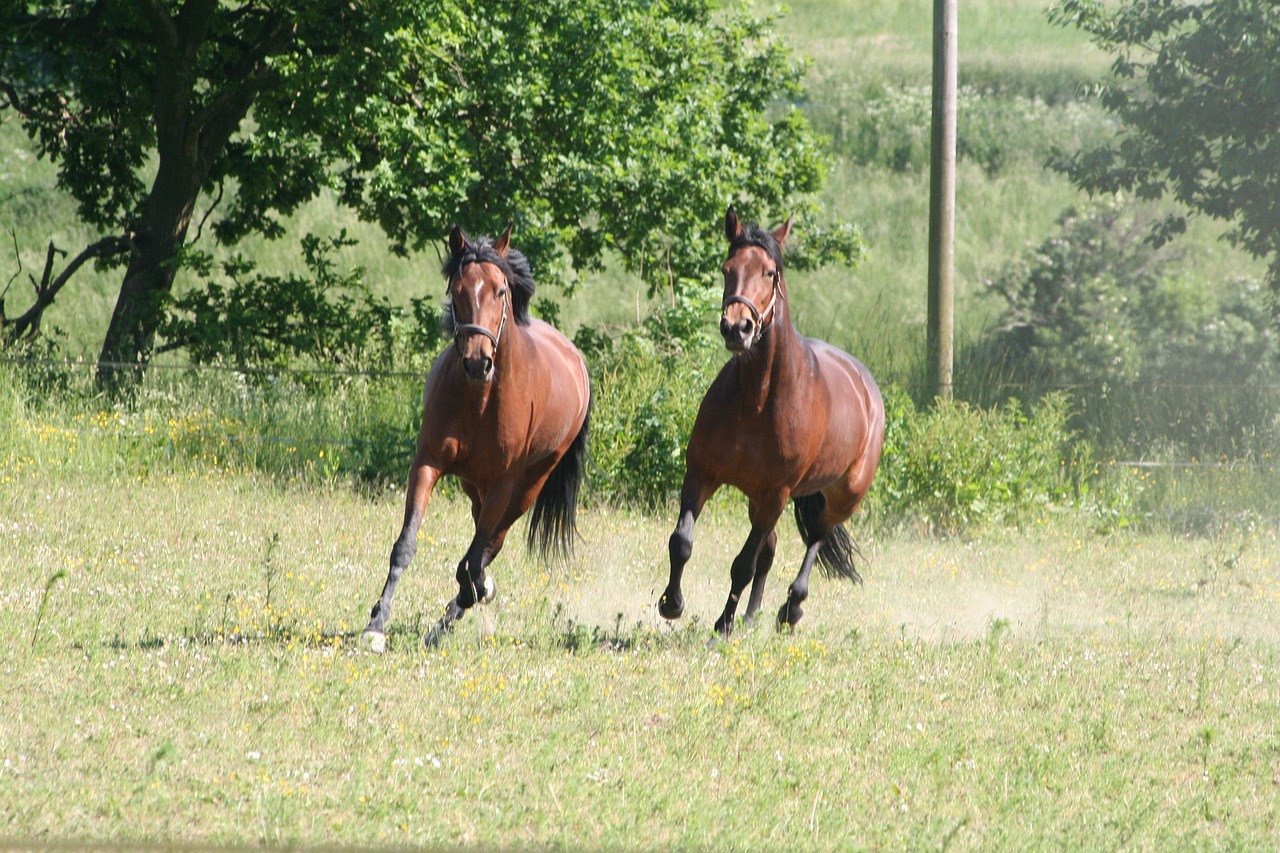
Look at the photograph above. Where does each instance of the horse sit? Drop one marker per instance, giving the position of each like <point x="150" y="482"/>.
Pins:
<point x="788" y="417"/>
<point x="506" y="410"/>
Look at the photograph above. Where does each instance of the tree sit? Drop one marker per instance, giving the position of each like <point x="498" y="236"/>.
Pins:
<point x="598" y="126"/>
<point x="1196" y="89"/>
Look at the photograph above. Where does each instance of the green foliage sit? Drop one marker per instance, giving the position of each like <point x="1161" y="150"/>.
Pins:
<point x="648" y="386"/>
<point x="261" y="321"/>
<point x="956" y="467"/>
<point x="1155" y="367"/>
<point x="1196" y="87"/>
<point x="597" y="127"/>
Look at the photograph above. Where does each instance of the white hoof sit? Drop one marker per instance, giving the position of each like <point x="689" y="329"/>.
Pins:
<point x="374" y="641"/>
<point x="490" y="590"/>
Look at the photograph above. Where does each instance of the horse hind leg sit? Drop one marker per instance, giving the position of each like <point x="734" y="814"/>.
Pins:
<point x="791" y="612"/>
<point x="828" y="543"/>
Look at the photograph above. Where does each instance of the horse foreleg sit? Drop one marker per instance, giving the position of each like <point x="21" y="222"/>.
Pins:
<point x="422" y="480"/>
<point x="491" y="531"/>
<point x="764" y="562"/>
<point x="693" y="496"/>
<point x="764" y="517"/>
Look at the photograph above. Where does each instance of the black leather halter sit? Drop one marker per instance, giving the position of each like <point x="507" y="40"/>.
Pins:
<point x="756" y="314"/>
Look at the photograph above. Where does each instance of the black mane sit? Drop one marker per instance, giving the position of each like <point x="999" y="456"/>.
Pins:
<point x="514" y="266"/>
<point x="754" y="235"/>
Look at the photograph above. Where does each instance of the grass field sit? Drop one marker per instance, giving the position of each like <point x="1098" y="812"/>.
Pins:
<point x="180" y="650"/>
<point x="181" y="665"/>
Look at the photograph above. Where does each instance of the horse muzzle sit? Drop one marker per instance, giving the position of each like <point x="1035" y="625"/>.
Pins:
<point x="738" y="336"/>
<point x="478" y="369"/>
<point x="477" y="358"/>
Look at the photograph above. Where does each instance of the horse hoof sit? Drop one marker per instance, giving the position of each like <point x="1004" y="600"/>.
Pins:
<point x="373" y="641"/>
<point x="432" y="638"/>
<point x="789" y="616"/>
<point x="671" y="607"/>
<point x="490" y="590"/>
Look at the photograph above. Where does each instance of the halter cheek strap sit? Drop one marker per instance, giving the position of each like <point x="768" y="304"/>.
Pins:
<point x="756" y="314"/>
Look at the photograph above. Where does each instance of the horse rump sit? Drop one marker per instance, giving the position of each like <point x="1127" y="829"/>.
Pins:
<point x="838" y="551"/>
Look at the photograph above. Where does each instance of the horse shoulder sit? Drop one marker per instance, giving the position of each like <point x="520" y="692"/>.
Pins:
<point x="447" y="433"/>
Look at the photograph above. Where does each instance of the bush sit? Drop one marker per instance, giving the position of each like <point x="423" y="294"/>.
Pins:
<point x="956" y="467"/>
<point x="1158" y="366"/>
<point x="647" y="389"/>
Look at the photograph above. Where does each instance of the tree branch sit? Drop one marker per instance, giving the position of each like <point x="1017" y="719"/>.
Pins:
<point x="27" y="324"/>
<point x="220" y="118"/>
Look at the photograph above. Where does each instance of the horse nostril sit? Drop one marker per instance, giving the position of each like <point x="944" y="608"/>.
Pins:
<point x="740" y="330"/>
<point x="480" y="368"/>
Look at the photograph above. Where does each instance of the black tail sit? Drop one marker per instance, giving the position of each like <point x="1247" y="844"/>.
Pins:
<point x="838" y="549"/>
<point x="553" y="524"/>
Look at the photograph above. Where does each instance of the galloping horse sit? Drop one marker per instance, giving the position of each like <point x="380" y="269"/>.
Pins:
<point x="787" y="417"/>
<point x="506" y="410"/>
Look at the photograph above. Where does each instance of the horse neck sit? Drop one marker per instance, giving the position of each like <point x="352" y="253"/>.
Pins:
<point x="774" y="369"/>
<point x="509" y="380"/>
<point x="512" y="362"/>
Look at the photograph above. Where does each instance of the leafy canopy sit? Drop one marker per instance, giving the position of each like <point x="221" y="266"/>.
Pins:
<point x="1196" y="88"/>
<point x="598" y="126"/>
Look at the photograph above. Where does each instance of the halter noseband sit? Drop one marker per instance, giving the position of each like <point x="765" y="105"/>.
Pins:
<point x="476" y="329"/>
<point x="756" y="314"/>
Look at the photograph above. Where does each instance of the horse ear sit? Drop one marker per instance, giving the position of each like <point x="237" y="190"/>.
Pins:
<point x="783" y="231"/>
<point x="732" y="227"/>
<point x="457" y="240"/>
<point x="503" y="243"/>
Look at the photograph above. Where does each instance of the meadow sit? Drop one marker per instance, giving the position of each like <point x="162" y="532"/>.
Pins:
<point x="183" y="576"/>
<point x="182" y="666"/>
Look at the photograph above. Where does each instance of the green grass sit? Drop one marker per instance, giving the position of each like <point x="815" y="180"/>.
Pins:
<point x="181" y="663"/>
<point x="195" y="679"/>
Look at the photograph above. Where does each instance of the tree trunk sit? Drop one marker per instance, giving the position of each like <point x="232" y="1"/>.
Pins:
<point x="192" y="131"/>
<point x="149" y="278"/>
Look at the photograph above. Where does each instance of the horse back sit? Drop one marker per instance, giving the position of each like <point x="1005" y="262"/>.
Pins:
<point x="854" y="414"/>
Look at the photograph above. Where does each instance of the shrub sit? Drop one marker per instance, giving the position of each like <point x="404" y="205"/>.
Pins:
<point x="1158" y="365"/>
<point x="956" y="467"/>
<point x="647" y="389"/>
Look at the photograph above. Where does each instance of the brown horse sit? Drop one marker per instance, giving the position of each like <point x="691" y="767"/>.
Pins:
<point x="506" y="410"/>
<point x="788" y="417"/>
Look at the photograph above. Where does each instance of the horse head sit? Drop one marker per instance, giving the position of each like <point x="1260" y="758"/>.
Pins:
<point x="489" y="286"/>
<point x="753" y="287"/>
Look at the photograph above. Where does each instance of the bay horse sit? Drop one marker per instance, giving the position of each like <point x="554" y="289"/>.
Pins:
<point x="788" y="417"/>
<point x="506" y="410"/>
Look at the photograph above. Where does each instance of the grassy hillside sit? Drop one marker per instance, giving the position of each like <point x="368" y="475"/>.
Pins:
<point x="870" y="73"/>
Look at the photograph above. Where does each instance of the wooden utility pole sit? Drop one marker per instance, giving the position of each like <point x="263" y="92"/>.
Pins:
<point x="942" y="199"/>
